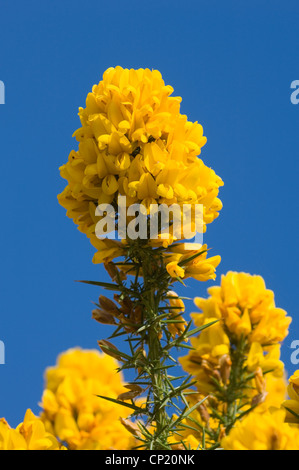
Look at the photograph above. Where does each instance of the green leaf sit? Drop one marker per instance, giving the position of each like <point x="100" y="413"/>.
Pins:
<point x="187" y="260"/>
<point x="118" y="402"/>
<point x="105" y="285"/>
<point x="200" y="328"/>
<point x="292" y="412"/>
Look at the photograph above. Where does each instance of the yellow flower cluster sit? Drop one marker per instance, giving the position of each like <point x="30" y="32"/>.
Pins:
<point x="29" y="435"/>
<point x="243" y="315"/>
<point x="246" y="308"/>
<point x="262" y="431"/>
<point x="292" y="404"/>
<point x="135" y="142"/>
<point x="74" y="413"/>
<point x="238" y="308"/>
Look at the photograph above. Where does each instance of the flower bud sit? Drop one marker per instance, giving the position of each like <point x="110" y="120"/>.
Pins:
<point x="128" y="395"/>
<point x="103" y="317"/>
<point x="259" y="398"/>
<point x="225" y="367"/>
<point x="260" y="381"/>
<point x="107" y="304"/>
<point x="109" y="349"/>
<point x="131" y="427"/>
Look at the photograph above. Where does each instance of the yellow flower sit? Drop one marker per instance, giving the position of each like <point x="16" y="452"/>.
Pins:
<point x="276" y="389"/>
<point x="292" y="404"/>
<point x="174" y="270"/>
<point x="266" y="358"/>
<point x="233" y="305"/>
<point x="247" y="308"/>
<point x="178" y="306"/>
<point x="29" y="435"/>
<point x="262" y="431"/>
<point x="72" y="409"/>
<point x="189" y="260"/>
<point x="134" y="142"/>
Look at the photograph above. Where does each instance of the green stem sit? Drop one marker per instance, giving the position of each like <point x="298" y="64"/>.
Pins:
<point x="155" y="359"/>
<point x="234" y="392"/>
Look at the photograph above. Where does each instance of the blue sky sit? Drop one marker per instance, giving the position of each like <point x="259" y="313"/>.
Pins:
<point x="233" y="66"/>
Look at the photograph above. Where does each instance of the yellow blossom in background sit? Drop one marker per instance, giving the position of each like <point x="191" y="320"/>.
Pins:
<point x="292" y="404"/>
<point x="268" y="358"/>
<point x="29" y="435"/>
<point x="235" y="365"/>
<point x="71" y="409"/>
<point x="247" y="308"/>
<point x="262" y="431"/>
<point x="135" y="142"/>
<point x="276" y="389"/>
<point x="209" y="349"/>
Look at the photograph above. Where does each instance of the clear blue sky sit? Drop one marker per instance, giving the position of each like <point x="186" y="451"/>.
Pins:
<point x="232" y="64"/>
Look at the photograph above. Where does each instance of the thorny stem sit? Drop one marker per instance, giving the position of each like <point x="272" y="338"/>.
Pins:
<point x="156" y="354"/>
<point x="150" y="344"/>
<point x="155" y="357"/>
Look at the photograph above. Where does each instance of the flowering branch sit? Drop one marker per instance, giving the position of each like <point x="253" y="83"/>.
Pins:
<point x="149" y="314"/>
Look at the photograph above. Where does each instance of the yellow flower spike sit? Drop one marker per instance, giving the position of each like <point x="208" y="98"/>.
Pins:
<point x="134" y="141"/>
<point x="247" y="308"/>
<point x="243" y="309"/>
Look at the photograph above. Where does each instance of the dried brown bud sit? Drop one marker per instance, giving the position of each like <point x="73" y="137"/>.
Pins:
<point x="258" y="399"/>
<point x="275" y="441"/>
<point x="141" y="357"/>
<point x="137" y="315"/>
<point x="204" y="414"/>
<point x="109" y="349"/>
<point x="125" y="303"/>
<point x="260" y="381"/>
<point x="225" y="368"/>
<point x="103" y="317"/>
<point x="108" y="304"/>
<point x="128" y="395"/>
<point x="206" y="367"/>
<point x="222" y="432"/>
<point x="111" y="270"/>
<point x="131" y="427"/>
<point x="212" y="400"/>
